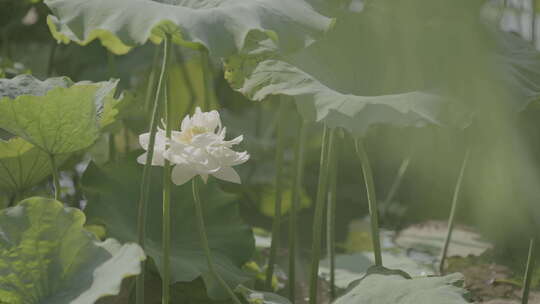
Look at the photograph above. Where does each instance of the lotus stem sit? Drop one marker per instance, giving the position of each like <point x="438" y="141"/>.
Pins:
<point x="331" y="222"/>
<point x="326" y="151"/>
<point x="111" y="64"/>
<point x="397" y="180"/>
<point x="112" y="146"/>
<point x="372" y="201"/>
<point x="205" y="62"/>
<point x="451" y="219"/>
<point x="529" y="271"/>
<point x="204" y="240"/>
<point x="126" y="139"/>
<point x="52" y="55"/>
<point x="276" y="226"/>
<point x="56" y="177"/>
<point x="166" y="229"/>
<point x="295" y="202"/>
<point x="151" y="80"/>
<point x="187" y="80"/>
<point x="5" y="43"/>
<point x="145" y="183"/>
<point x="533" y="23"/>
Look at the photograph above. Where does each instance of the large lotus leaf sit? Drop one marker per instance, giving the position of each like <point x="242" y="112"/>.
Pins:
<point x="393" y="288"/>
<point x="520" y="65"/>
<point x="113" y="193"/>
<point x="46" y="256"/>
<point x="429" y="237"/>
<point x="368" y="54"/>
<point x="23" y="165"/>
<point x="55" y="115"/>
<point x="349" y="267"/>
<point x="317" y="102"/>
<point x="222" y="26"/>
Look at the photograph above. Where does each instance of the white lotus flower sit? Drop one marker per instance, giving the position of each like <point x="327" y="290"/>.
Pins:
<point x="160" y="145"/>
<point x="200" y="148"/>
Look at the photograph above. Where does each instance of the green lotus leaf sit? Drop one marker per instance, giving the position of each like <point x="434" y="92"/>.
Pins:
<point x="23" y="165"/>
<point x="355" y="76"/>
<point x="223" y="27"/>
<point x="56" y="115"/>
<point x="349" y="267"/>
<point x="429" y="237"/>
<point x="113" y="193"/>
<point x="318" y="102"/>
<point x="393" y="287"/>
<point x="46" y="256"/>
<point x="520" y="63"/>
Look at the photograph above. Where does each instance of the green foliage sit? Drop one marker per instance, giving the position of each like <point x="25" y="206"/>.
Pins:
<point x="112" y="191"/>
<point x="22" y="165"/>
<point x="317" y="102"/>
<point x="9" y="68"/>
<point x="46" y="256"/>
<point x="56" y="115"/>
<point x="382" y="286"/>
<point x="186" y="87"/>
<point x="221" y="26"/>
<point x="268" y="200"/>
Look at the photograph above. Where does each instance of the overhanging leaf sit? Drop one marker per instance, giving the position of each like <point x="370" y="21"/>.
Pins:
<point x="222" y="26"/>
<point x="371" y="69"/>
<point x="23" y="165"/>
<point x="392" y="288"/>
<point x="56" y="115"/>
<point x="47" y="257"/>
<point x="317" y="102"/>
<point x="112" y="193"/>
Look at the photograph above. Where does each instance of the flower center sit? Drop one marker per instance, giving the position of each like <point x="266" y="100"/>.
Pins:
<point x="187" y="135"/>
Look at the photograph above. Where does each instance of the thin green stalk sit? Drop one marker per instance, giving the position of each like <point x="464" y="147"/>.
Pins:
<point x="326" y="151"/>
<point x="372" y="201"/>
<point x="520" y="10"/>
<point x="208" y="90"/>
<point x="529" y="271"/>
<point x="451" y="219"/>
<point x="295" y="202"/>
<point x="5" y="43"/>
<point x="204" y="240"/>
<point x="397" y="180"/>
<point x="187" y="80"/>
<point x="151" y="80"/>
<point x="166" y="280"/>
<point x="145" y="183"/>
<point x="111" y="64"/>
<point x="126" y="139"/>
<point x="56" y="177"/>
<point x="112" y="146"/>
<point x="52" y="54"/>
<point x="533" y="23"/>
<point x="331" y="222"/>
<point x="276" y="226"/>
